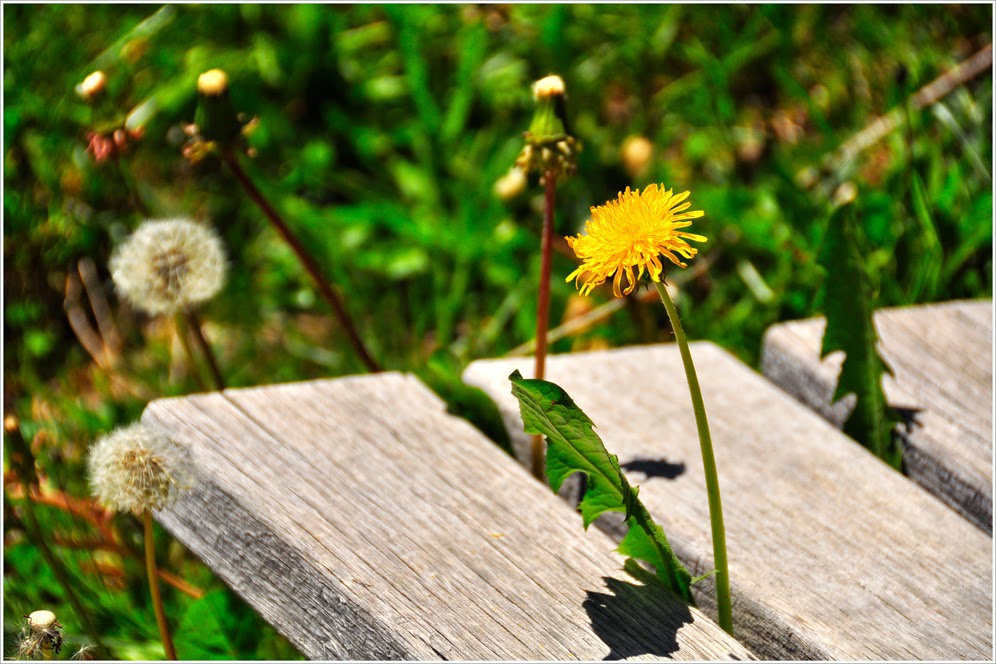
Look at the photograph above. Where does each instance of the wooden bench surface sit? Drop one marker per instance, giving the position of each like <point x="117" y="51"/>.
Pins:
<point x="363" y="522"/>
<point x="942" y="358"/>
<point x="833" y="555"/>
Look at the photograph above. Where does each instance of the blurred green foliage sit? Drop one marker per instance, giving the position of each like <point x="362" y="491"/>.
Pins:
<point x="381" y="132"/>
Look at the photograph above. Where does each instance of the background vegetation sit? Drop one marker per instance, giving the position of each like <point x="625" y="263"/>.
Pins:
<point x="381" y="133"/>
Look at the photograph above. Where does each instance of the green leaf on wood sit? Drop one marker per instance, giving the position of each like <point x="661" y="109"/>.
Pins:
<point x="573" y="446"/>
<point x="848" y="310"/>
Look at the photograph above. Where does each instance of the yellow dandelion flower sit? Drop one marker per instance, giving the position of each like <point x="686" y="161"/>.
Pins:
<point x="634" y="231"/>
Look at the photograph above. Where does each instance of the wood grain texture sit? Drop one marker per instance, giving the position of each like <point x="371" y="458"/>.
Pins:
<point x="942" y="359"/>
<point x="833" y="555"/>
<point x="363" y="522"/>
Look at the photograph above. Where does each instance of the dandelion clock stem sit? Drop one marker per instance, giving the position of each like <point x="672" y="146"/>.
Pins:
<point x="157" y="600"/>
<point x="309" y="264"/>
<point x="709" y="464"/>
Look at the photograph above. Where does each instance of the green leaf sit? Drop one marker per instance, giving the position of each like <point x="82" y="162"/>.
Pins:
<point x="573" y="446"/>
<point x="850" y="328"/>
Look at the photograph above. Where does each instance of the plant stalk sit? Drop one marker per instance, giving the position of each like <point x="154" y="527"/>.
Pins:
<point x="543" y="306"/>
<point x="181" y="331"/>
<point x="198" y="333"/>
<point x="723" y="600"/>
<point x="157" y="600"/>
<point x="307" y="261"/>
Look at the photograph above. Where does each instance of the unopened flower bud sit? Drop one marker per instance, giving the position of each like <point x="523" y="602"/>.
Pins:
<point x="636" y="154"/>
<point x="216" y="118"/>
<point x="548" y="86"/>
<point x="120" y="139"/>
<point x="212" y="83"/>
<point x="511" y="184"/>
<point x="92" y="86"/>
<point x="845" y="193"/>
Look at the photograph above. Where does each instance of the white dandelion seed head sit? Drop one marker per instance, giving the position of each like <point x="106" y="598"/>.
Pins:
<point x="138" y="468"/>
<point x="168" y="265"/>
<point x="40" y="634"/>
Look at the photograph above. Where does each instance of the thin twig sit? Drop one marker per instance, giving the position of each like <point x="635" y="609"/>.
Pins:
<point x="100" y="306"/>
<point x="87" y="510"/>
<point x="80" y="323"/>
<point x="309" y="263"/>
<point x="882" y="126"/>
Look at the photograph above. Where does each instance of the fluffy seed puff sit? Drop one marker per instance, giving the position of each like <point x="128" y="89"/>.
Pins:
<point x="138" y="468"/>
<point x="168" y="265"/>
<point x="41" y="636"/>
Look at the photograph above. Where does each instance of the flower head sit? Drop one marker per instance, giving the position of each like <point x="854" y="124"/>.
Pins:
<point x="138" y="468"/>
<point x="634" y="231"/>
<point x="168" y="265"/>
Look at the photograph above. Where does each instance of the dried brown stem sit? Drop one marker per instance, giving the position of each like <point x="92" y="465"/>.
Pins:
<point x="80" y="323"/>
<point x="100" y="306"/>
<point x="929" y="94"/>
<point x="88" y="510"/>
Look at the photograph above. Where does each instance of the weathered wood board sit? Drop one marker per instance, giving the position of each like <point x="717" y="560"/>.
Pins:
<point x="363" y="522"/>
<point x="833" y="555"/>
<point x="942" y="360"/>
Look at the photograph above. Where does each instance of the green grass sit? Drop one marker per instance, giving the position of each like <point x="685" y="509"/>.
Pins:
<point x="381" y="133"/>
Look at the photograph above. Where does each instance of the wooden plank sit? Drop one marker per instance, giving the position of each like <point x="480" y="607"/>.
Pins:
<point x="942" y="358"/>
<point x="833" y="555"/>
<point x="363" y="522"/>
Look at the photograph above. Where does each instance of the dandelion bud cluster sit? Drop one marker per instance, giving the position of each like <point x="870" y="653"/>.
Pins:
<point x="217" y="126"/>
<point x="169" y="265"/>
<point x="138" y="468"/>
<point x="550" y="147"/>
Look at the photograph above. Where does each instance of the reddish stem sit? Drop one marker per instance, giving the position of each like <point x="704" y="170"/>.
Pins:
<point x="543" y="306"/>
<point x="306" y="260"/>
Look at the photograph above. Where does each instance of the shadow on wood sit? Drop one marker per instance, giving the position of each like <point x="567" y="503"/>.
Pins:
<point x="626" y="602"/>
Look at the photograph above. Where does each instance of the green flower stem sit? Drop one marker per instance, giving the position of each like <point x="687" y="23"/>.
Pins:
<point x="723" y="602"/>
<point x="198" y="333"/>
<point x="543" y="306"/>
<point x="157" y="600"/>
<point x="307" y="261"/>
